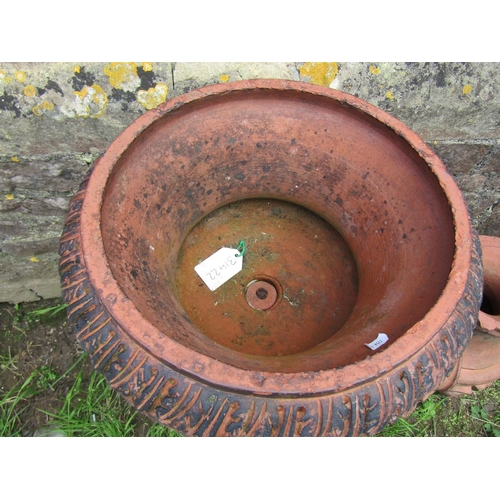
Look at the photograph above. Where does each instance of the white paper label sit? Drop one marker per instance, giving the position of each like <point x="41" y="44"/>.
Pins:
<point x="380" y="340"/>
<point x="219" y="267"/>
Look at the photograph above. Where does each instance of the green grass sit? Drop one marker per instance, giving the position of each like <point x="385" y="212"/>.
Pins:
<point x="94" y="411"/>
<point x="90" y="408"/>
<point x="472" y="415"/>
<point x="48" y="312"/>
<point x="14" y="334"/>
<point x="15" y="401"/>
<point x="44" y="315"/>
<point x="490" y="423"/>
<point x="7" y="362"/>
<point x="87" y="406"/>
<point x="422" y="422"/>
<point x="12" y="404"/>
<point x="97" y="411"/>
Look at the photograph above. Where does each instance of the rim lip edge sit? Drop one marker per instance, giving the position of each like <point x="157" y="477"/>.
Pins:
<point x="185" y="359"/>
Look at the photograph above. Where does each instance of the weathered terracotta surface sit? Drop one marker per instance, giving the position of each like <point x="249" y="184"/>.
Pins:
<point x="479" y="365"/>
<point x="344" y="211"/>
<point x="297" y="252"/>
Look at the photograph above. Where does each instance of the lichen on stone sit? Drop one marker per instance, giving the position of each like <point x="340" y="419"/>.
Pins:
<point x="20" y="76"/>
<point x="90" y="102"/>
<point x="42" y="108"/>
<point x="320" y="73"/>
<point x="29" y="91"/>
<point x="153" y="97"/>
<point x="123" y="75"/>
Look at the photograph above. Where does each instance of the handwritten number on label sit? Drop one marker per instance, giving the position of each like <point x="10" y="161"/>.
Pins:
<point x="216" y="272"/>
<point x="219" y="267"/>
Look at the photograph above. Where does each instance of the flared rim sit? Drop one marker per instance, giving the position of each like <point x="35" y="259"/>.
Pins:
<point x="220" y="374"/>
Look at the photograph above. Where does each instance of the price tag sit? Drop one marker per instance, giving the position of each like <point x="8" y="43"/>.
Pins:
<point x="220" y="267"/>
<point x="380" y="340"/>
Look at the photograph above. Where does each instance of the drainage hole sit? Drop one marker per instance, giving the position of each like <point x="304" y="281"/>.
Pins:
<point x="261" y="293"/>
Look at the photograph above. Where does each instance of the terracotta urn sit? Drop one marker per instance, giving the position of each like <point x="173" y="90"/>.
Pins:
<point x="338" y="279"/>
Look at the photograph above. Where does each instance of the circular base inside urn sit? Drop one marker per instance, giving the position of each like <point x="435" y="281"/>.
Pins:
<point x="307" y="274"/>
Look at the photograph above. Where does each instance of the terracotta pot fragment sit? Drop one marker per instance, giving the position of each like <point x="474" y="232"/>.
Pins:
<point x="479" y="365"/>
<point x="346" y="214"/>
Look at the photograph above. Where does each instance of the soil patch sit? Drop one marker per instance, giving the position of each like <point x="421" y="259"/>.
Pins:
<point x="39" y="352"/>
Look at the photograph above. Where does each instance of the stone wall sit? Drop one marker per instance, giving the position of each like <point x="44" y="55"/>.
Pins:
<point x="56" y="118"/>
